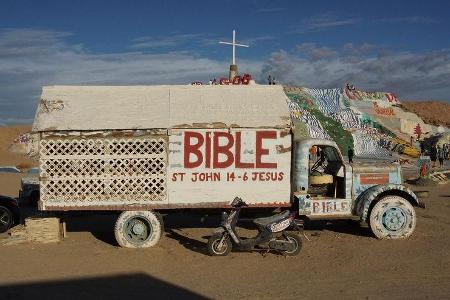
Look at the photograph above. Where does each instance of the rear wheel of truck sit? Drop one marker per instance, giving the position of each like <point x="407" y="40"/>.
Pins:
<point x="392" y="217"/>
<point x="138" y="229"/>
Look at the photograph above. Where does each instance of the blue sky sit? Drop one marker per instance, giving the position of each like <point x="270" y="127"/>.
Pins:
<point x="397" y="46"/>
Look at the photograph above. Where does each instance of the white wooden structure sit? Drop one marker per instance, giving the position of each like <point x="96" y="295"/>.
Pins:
<point x="150" y="147"/>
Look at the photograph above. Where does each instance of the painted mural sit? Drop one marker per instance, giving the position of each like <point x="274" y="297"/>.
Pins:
<point x="369" y="122"/>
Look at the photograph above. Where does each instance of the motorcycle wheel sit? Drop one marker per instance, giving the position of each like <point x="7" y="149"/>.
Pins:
<point x="213" y="245"/>
<point x="293" y="238"/>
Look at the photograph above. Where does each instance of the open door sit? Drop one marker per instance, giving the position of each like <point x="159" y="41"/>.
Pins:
<point x="327" y="182"/>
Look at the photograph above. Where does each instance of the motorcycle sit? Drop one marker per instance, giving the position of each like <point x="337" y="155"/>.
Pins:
<point x="272" y="234"/>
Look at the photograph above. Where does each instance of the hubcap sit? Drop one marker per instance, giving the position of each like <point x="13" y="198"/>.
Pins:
<point x="394" y="219"/>
<point x="138" y="230"/>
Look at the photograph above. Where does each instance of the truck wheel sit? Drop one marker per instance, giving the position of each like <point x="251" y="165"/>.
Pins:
<point x="138" y="229"/>
<point x="6" y="219"/>
<point x="392" y="217"/>
<point x="214" y="247"/>
<point x="293" y="238"/>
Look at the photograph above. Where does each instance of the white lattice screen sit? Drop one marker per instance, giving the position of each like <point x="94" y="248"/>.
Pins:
<point x="102" y="171"/>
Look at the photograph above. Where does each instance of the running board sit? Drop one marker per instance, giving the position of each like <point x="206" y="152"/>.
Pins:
<point x="334" y="217"/>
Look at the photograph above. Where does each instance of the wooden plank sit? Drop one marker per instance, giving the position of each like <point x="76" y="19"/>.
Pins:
<point x="93" y="108"/>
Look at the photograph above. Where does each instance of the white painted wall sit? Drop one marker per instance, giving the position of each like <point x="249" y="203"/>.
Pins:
<point x="253" y="189"/>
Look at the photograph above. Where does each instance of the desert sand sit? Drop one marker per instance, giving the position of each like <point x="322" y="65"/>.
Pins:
<point x="432" y="112"/>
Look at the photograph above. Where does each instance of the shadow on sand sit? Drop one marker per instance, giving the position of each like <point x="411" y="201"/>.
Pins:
<point x="115" y="287"/>
<point x="187" y="242"/>
<point x="101" y="225"/>
<point x="339" y="226"/>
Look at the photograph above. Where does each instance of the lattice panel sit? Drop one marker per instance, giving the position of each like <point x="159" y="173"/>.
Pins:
<point x="67" y="147"/>
<point x="103" y="171"/>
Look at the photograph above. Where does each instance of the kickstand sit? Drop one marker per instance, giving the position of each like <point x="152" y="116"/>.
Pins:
<point x="306" y="237"/>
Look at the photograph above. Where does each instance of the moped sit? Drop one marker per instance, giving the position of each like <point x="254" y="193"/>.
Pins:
<point x="272" y="234"/>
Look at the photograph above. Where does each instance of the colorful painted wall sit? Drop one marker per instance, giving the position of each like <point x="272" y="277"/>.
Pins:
<point x="370" y="122"/>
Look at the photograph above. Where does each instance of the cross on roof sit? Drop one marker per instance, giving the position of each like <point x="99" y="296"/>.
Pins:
<point x="234" y="44"/>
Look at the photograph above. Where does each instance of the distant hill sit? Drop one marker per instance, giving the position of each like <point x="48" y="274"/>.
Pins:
<point x="8" y="136"/>
<point x="432" y="112"/>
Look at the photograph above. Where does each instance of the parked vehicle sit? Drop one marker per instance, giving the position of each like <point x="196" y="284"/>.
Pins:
<point x="29" y="187"/>
<point x="141" y="150"/>
<point x="272" y="234"/>
<point x="33" y="171"/>
<point x="9" y="213"/>
<point x="9" y="169"/>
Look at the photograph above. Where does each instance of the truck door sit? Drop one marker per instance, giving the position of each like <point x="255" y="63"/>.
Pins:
<point x="327" y="182"/>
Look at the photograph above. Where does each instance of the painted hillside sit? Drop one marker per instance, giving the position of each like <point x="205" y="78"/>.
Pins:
<point x="371" y="122"/>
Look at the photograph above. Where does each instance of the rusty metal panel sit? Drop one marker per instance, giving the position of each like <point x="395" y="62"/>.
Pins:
<point x="157" y="205"/>
<point x="216" y="165"/>
<point x="96" y="171"/>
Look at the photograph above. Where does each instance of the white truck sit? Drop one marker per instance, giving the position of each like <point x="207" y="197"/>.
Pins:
<point x="143" y="149"/>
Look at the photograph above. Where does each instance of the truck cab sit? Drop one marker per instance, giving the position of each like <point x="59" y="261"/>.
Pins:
<point x="326" y="187"/>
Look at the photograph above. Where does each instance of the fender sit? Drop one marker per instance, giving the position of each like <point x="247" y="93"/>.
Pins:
<point x="372" y="194"/>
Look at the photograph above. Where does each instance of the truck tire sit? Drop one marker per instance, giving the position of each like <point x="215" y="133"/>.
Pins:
<point x="213" y="243"/>
<point x="392" y="217"/>
<point x="138" y="229"/>
<point x="6" y="218"/>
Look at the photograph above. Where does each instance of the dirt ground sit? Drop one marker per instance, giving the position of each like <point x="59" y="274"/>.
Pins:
<point x="339" y="260"/>
<point x="7" y="137"/>
<point x="432" y="112"/>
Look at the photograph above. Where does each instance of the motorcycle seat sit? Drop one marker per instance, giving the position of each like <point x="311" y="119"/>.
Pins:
<point x="272" y="219"/>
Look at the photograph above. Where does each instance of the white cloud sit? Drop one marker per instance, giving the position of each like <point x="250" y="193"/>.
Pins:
<point x="409" y="75"/>
<point x="31" y="58"/>
<point x="148" y="42"/>
<point x="408" y="20"/>
<point x="327" y="20"/>
<point x="315" y="52"/>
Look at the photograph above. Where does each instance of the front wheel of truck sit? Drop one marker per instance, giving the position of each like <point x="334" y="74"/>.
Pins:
<point x="392" y="217"/>
<point x="138" y="229"/>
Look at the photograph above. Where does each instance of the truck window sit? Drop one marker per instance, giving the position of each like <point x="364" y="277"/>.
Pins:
<point x="331" y="154"/>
